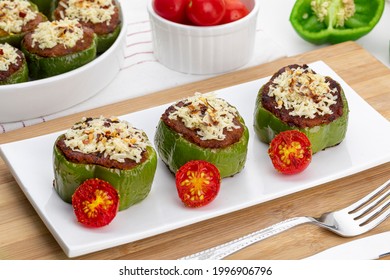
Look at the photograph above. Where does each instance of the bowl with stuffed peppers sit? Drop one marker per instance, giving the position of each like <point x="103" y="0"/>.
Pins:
<point x="72" y="50"/>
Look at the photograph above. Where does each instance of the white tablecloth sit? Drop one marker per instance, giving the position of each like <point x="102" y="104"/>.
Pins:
<point x="142" y="74"/>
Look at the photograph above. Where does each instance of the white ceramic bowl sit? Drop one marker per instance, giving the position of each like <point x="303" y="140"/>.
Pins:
<point x="204" y="50"/>
<point x="38" y="98"/>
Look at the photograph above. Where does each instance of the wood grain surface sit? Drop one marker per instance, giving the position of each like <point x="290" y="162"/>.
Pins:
<point x="24" y="236"/>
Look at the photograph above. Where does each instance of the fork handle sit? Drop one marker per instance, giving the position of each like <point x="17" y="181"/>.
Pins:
<point x="226" y="249"/>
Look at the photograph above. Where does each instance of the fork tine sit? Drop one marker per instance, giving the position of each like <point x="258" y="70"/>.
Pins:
<point x="367" y="198"/>
<point x="370" y="225"/>
<point x="358" y="214"/>
<point x="371" y="216"/>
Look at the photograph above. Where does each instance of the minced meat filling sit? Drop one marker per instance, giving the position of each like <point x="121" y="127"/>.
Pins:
<point x="104" y="141"/>
<point x="300" y="97"/>
<point x="205" y="120"/>
<point x="58" y="38"/>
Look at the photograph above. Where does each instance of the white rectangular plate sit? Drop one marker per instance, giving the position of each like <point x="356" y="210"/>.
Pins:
<point x="365" y="146"/>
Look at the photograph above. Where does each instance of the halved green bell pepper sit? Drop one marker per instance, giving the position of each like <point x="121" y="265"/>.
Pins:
<point x="334" y="21"/>
<point x="267" y="126"/>
<point x="43" y="67"/>
<point x="14" y="39"/>
<point x="175" y="151"/>
<point x="20" y="76"/>
<point x="133" y="185"/>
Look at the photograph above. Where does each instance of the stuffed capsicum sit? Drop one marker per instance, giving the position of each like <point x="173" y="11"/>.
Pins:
<point x="18" y="17"/>
<point x="108" y="149"/>
<point x="57" y="47"/>
<point x="335" y="21"/>
<point x="203" y="127"/>
<point x="103" y="16"/>
<point x="298" y="98"/>
<point x="13" y="65"/>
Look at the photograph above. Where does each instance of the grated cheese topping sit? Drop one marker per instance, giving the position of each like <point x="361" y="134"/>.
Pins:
<point x="95" y="11"/>
<point x="303" y="92"/>
<point x="8" y="56"/>
<point x="14" y="14"/>
<point x="113" y="138"/>
<point x="49" y="34"/>
<point x="208" y="115"/>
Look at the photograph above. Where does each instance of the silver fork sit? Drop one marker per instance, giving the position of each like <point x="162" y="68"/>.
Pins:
<point x="353" y="220"/>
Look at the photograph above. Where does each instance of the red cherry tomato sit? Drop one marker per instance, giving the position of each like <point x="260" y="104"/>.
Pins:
<point x="290" y="152"/>
<point x="235" y="10"/>
<point x="205" y="12"/>
<point x="197" y="183"/>
<point x="173" y="10"/>
<point x="95" y="203"/>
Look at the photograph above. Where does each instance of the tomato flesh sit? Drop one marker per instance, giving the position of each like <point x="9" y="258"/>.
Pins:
<point x="173" y="10"/>
<point x="290" y="152"/>
<point x="205" y="12"/>
<point x="235" y="10"/>
<point x="95" y="203"/>
<point x="198" y="183"/>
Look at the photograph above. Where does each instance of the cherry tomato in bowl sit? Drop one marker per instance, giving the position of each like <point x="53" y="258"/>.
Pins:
<point x="235" y="10"/>
<point x="290" y="152"/>
<point x="95" y="203"/>
<point x="198" y="183"/>
<point x="205" y="12"/>
<point x="173" y="10"/>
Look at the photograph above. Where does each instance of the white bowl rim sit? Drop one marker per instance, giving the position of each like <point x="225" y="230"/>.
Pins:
<point x="216" y="28"/>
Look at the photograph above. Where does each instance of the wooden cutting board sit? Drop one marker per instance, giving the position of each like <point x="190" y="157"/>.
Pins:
<point x="24" y="236"/>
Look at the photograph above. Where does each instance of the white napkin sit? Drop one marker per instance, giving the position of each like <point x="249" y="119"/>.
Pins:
<point x="142" y="74"/>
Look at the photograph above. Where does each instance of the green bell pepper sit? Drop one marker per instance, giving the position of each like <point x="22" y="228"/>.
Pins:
<point x="20" y="76"/>
<point x="45" y="6"/>
<point x="11" y="38"/>
<point x="43" y="67"/>
<point x="335" y="21"/>
<point x="267" y="126"/>
<point x="105" y="41"/>
<point x="133" y="185"/>
<point x="14" y="39"/>
<point x="175" y="151"/>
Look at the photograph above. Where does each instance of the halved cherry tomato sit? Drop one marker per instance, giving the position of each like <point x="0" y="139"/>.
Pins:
<point x="290" y="152"/>
<point x="205" y="12"/>
<point x="173" y="10"/>
<point x="198" y="183"/>
<point x="95" y="203"/>
<point x="235" y="10"/>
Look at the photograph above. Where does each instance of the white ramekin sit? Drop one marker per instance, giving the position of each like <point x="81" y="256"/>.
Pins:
<point x="204" y="50"/>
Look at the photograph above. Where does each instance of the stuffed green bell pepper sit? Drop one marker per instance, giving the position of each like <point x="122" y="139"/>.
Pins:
<point x="70" y="46"/>
<point x="296" y="98"/>
<point x="101" y="16"/>
<point x="203" y="127"/>
<point x="108" y="149"/>
<point x="13" y="65"/>
<point x="335" y="21"/>
<point x="17" y="18"/>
